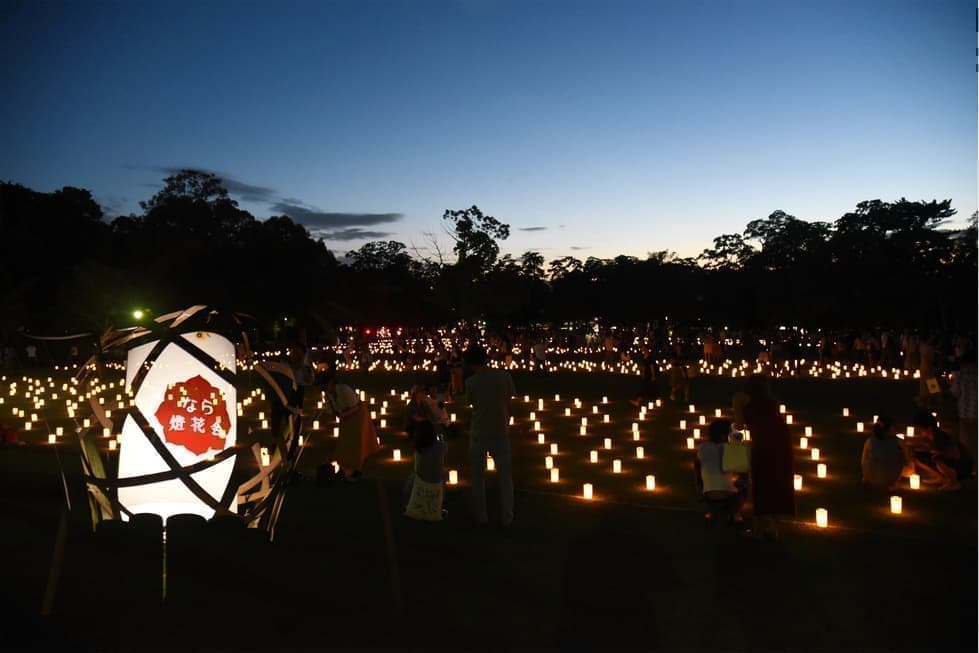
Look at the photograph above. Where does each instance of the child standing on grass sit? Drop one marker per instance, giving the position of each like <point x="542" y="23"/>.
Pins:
<point x="428" y="480"/>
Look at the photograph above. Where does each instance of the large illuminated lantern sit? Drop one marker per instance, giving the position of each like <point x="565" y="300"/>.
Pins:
<point x="183" y="420"/>
<point x="180" y="450"/>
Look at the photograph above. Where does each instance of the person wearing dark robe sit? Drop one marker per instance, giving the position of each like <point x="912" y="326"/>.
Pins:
<point x="772" y="493"/>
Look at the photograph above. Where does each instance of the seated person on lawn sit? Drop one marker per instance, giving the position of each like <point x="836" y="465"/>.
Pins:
<point x="939" y="457"/>
<point x="886" y="458"/>
<point x="721" y="491"/>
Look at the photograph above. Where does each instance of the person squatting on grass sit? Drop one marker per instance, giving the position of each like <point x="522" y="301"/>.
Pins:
<point x="885" y="458"/>
<point x="489" y="391"/>
<point x="722" y="492"/>
<point x="358" y="437"/>
<point x="939" y="457"/>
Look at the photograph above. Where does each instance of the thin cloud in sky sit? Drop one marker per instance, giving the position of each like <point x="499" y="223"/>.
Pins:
<point x="353" y="233"/>
<point x="312" y="218"/>
<point x="532" y="229"/>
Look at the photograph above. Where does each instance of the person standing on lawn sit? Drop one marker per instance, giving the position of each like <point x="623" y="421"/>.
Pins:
<point x="489" y="392"/>
<point x="772" y="494"/>
<point x="964" y="389"/>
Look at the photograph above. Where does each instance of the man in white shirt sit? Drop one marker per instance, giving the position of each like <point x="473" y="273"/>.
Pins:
<point x="489" y="392"/>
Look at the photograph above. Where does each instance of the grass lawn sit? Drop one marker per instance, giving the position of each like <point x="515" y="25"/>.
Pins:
<point x="630" y="569"/>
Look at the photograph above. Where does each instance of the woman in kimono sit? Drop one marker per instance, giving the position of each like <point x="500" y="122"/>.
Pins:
<point x="358" y="437"/>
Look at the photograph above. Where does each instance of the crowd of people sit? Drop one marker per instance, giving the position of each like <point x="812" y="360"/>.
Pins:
<point x="765" y="471"/>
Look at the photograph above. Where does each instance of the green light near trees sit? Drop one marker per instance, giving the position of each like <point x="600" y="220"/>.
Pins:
<point x="138" y="314"/>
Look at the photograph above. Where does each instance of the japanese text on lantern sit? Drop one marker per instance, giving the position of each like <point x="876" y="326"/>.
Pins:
<point x="193" y="415"/>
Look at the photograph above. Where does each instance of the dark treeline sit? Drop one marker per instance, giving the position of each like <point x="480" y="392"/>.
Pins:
<point x="65" y="267"/>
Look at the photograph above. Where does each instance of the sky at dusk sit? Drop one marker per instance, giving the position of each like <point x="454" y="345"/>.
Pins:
<point x="591" y="128"/>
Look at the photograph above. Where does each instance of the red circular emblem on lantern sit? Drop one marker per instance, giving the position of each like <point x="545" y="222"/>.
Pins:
<point x="193" y="415"/>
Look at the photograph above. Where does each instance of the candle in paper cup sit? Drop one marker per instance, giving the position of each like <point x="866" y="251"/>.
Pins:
<point x="593" y="456"/>
<point x="896" y="505"/>
<point x="808" y="431"/>
<point x="846" y="412"/>
<point x="555" y="475"/>
<point x="397" y="454"/>
<point x="814" y="453"/>
<point x="859" y="427"/>
<point x="689" y="443"/>
<point x="683" y="424"/>
<point x="113" y="445"/>
<point x="616" y="466"/>
<point x="640" y="452"/>
<point x="822" y="517"/>
<point x="548" y="462"/>
<point x="608" y="443"/>
<point x="52" y="438"/>
<point x="821" y="470"/>
<point x="914" y="481"/>
<point x="717" y="412"/>
<point x="582" y="430"/>
<point x="490" y="464"/>
<point x="797" y="481"/>
<point x="453" y="477"/>
<point x="586" y="491"/>
<point x="803" y="443"/>
<point x="540" y="438"/>
<point x="554" y="448"/>
<point x="650" y="482"/>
